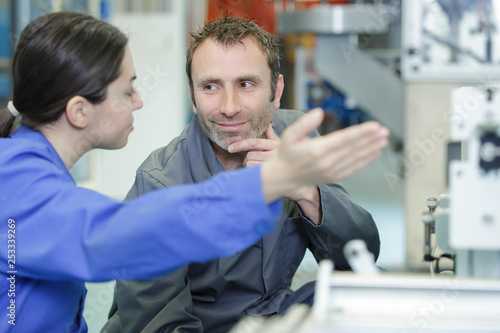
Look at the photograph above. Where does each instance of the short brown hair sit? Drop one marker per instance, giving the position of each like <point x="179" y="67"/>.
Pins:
<point x="230" y="31"/>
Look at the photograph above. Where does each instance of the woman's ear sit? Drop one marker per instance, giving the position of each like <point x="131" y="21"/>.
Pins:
<point x="77" y="111"/>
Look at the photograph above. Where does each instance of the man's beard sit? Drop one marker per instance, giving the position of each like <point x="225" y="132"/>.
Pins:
<point x="254" y="128"/>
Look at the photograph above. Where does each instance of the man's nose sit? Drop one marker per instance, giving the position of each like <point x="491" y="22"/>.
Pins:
<point x="230" y="103"/>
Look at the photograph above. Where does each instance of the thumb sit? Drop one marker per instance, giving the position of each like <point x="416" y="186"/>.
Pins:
<point x="304" y="125"/>
<point x="270" y="135"/>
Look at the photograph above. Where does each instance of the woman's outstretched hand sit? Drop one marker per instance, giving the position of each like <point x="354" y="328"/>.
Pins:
<point x="301" y="160"/>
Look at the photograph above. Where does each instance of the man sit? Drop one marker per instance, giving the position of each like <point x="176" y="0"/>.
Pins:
<point x="233" y="71"/>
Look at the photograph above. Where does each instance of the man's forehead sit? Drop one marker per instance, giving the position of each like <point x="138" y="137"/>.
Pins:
<point x="230" y="44"/>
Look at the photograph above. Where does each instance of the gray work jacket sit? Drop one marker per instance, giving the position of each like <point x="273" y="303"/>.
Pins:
<point x="212" y="297"/>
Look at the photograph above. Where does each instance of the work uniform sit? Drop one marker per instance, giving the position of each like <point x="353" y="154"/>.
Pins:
<point x="211" y="297"/>
<point x="55" y="235"/>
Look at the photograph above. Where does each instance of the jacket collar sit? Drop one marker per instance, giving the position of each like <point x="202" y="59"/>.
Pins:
<point x="26" y="133"/>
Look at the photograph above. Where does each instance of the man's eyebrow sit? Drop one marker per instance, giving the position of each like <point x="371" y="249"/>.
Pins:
<point x="207" y="80"/>
<point x="254" y="78"/>
<point x="218" y="81"/>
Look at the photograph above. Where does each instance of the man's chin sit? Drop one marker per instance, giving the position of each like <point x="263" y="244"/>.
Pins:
<point x="221" y="144"/>
<point x="226" y="143"/>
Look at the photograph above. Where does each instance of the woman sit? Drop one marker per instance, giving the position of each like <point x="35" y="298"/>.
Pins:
<point x="73" y="91"/>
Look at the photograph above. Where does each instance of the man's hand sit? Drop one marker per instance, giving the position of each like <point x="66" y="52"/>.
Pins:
<point x="258" y="150"/>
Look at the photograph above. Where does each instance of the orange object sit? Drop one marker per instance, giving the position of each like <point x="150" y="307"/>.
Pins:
<point x="261" y="11"/>
<point x="307" y="4"/>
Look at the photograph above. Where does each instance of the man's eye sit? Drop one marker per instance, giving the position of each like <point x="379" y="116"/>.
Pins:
<point x="246" y="84"/>
<point x="209" y="87"/>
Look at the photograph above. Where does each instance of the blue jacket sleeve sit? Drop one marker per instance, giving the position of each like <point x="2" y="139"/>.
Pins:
<point x="67" y="232"/>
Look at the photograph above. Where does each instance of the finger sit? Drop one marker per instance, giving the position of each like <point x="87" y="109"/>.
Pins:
<point x="356" y="167"/>
<point x="345" y="159"/>
<point x="352" y="137"/>
<point x="259" y="156"/>
<point x="340" y="146"/>
<point x="253" y="144"/>
<point x="303" y="126"/>
<point x="380" y="137"/>
<point x="360" y="156"/>
<point x="251" y="164"/>
<point x="270" y="134"/>
<point x="337" y="159"/>
<point x="357" y="150"/>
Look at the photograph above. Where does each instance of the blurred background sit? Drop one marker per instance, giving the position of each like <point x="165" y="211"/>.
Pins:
<point x="395" y="61"/>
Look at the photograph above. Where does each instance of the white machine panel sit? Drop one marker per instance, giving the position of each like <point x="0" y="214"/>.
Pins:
<point x="475" y="180"/>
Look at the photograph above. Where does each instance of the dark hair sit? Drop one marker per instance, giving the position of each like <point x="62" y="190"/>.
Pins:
<point x="229" y="31"/>
<point x="61" y="55"/>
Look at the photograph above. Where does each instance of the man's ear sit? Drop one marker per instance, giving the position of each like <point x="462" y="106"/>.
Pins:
<point x="279" y="91"/>
<point x="195" y="110"/>
<point x="77" y="111"/>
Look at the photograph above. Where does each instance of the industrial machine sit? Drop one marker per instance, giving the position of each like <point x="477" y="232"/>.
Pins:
<point x="466" y="227"/>
<point x="449" y="97"/>
<point x="386" y="303"/>
<point x="398" y="62"/>
<point x="467" y="220"/>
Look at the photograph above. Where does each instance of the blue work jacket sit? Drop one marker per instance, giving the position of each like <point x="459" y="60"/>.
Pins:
<point x="54" y="236"/>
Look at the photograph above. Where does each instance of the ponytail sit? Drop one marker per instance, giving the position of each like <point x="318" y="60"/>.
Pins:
<point x="6" y="122"/>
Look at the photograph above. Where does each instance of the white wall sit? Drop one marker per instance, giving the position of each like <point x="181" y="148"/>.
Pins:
<point x="157" y="43"/>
